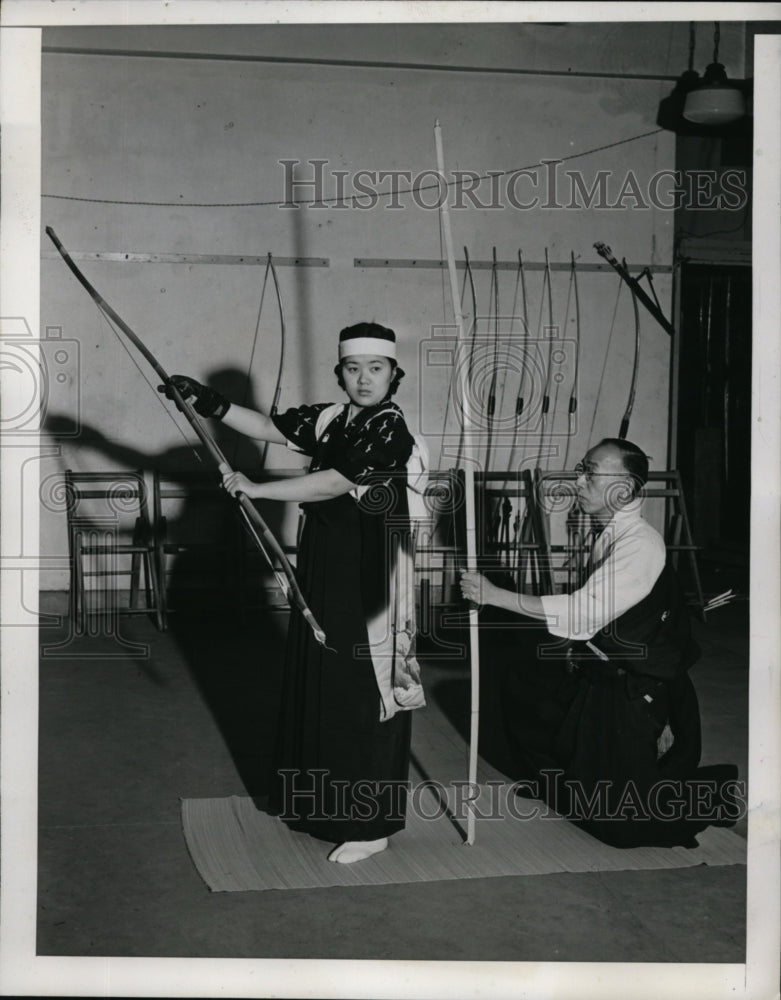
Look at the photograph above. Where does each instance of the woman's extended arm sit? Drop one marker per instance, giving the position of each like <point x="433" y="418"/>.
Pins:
<point x="322" y="485"/>
<point x="253" y="424"/>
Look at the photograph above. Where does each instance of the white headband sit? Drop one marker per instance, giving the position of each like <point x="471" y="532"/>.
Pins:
<point x="367" y="345"/>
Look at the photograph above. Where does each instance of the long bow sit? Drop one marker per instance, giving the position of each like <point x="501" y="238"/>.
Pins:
<point x="653" y="308"/>
<point x="624" y="430"/>
<point x="573" y="396"/>
<point x="520" y="399"/>
<point x="546" y="287"/>
<point x="282" y="341"/>
<point x="258" y="529"/>
<point x="471" y="364"/>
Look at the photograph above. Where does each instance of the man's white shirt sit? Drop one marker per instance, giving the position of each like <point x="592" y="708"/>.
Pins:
<point x="627" y="560"/>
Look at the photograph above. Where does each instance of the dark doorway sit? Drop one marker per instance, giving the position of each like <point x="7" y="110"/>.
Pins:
<point x="714" y="405"/>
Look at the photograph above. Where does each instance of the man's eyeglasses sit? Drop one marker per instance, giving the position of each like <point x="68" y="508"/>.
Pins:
<point x="588" y="472"/>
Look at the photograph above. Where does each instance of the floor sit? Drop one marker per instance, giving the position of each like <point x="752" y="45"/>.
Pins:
<point x="134" y="721"/>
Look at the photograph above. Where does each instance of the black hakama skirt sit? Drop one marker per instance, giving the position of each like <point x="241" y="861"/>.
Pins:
<point x="339" y="772"/>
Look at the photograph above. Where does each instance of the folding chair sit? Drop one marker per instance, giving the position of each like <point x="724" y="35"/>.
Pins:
<point x="103" y="508"/>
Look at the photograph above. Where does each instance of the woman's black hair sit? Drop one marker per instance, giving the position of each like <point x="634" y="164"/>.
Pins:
<point x="368" y="330"/>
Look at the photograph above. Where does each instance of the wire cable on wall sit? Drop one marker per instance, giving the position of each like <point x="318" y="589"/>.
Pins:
<point x="352" y="199"/>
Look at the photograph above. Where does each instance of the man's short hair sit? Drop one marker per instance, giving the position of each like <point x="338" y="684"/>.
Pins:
<point x="634" y="460"/>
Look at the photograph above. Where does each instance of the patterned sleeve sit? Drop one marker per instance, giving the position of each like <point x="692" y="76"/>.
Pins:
<point x="298" y="425"/>
<point x="382" y="444"/>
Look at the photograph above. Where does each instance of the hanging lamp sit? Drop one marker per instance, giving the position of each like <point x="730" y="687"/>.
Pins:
<point x="714" y="101"/>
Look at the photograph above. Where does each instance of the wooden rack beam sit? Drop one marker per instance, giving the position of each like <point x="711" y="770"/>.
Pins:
<point x="501" y="265"/>
<point x="193" y="258"/>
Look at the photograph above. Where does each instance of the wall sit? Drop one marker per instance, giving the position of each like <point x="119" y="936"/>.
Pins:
<point x="198" y="115"/>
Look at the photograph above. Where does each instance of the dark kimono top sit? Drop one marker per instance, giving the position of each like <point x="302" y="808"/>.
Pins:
<point x="374" y="442"/>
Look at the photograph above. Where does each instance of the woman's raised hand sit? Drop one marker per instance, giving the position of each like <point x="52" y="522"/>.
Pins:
<point x="208" y="402"/>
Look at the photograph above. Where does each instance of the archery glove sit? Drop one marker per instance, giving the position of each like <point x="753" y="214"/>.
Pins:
<point x="208" y="402"/>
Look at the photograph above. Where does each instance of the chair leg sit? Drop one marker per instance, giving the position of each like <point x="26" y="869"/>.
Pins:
<point x="159" y="569"/>
<point x="149" y="583"/>
<point x="162" y="595"/>
<point x="153" y="590"/>
<point x="72" y="582"/>
<point x="77" y="604"/>
<point x="135" y="573"/>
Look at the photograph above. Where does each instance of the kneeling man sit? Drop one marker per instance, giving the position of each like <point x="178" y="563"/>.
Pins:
<point x="602" y="719"/>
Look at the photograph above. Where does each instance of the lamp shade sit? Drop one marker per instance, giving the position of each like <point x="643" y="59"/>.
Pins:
<point x="716" y="101"/>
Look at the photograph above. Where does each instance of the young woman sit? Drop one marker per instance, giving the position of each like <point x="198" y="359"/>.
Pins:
<point x="342" y="754"/>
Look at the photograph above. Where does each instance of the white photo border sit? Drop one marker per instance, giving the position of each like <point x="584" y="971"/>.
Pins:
<point x="24" y="973"/>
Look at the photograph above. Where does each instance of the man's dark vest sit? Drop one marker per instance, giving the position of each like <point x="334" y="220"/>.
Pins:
<point x="652" y="638"/>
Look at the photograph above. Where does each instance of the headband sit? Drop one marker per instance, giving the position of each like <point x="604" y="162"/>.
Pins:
<point x="367" y="345"/>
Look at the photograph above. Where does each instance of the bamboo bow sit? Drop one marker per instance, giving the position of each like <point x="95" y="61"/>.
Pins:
<point x="624" y="429"/>
<point x="467" y="429"/>
<point x="258" y="529"/>
<point x="653" y="307"/>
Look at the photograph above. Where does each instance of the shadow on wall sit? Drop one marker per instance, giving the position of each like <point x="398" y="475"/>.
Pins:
<point x="230" y="638"/>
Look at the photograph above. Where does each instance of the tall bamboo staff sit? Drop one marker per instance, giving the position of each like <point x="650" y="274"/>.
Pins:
<point x="469" y="481"/>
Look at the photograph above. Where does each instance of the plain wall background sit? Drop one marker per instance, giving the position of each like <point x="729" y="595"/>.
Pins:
<point x="121" y="123"/>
